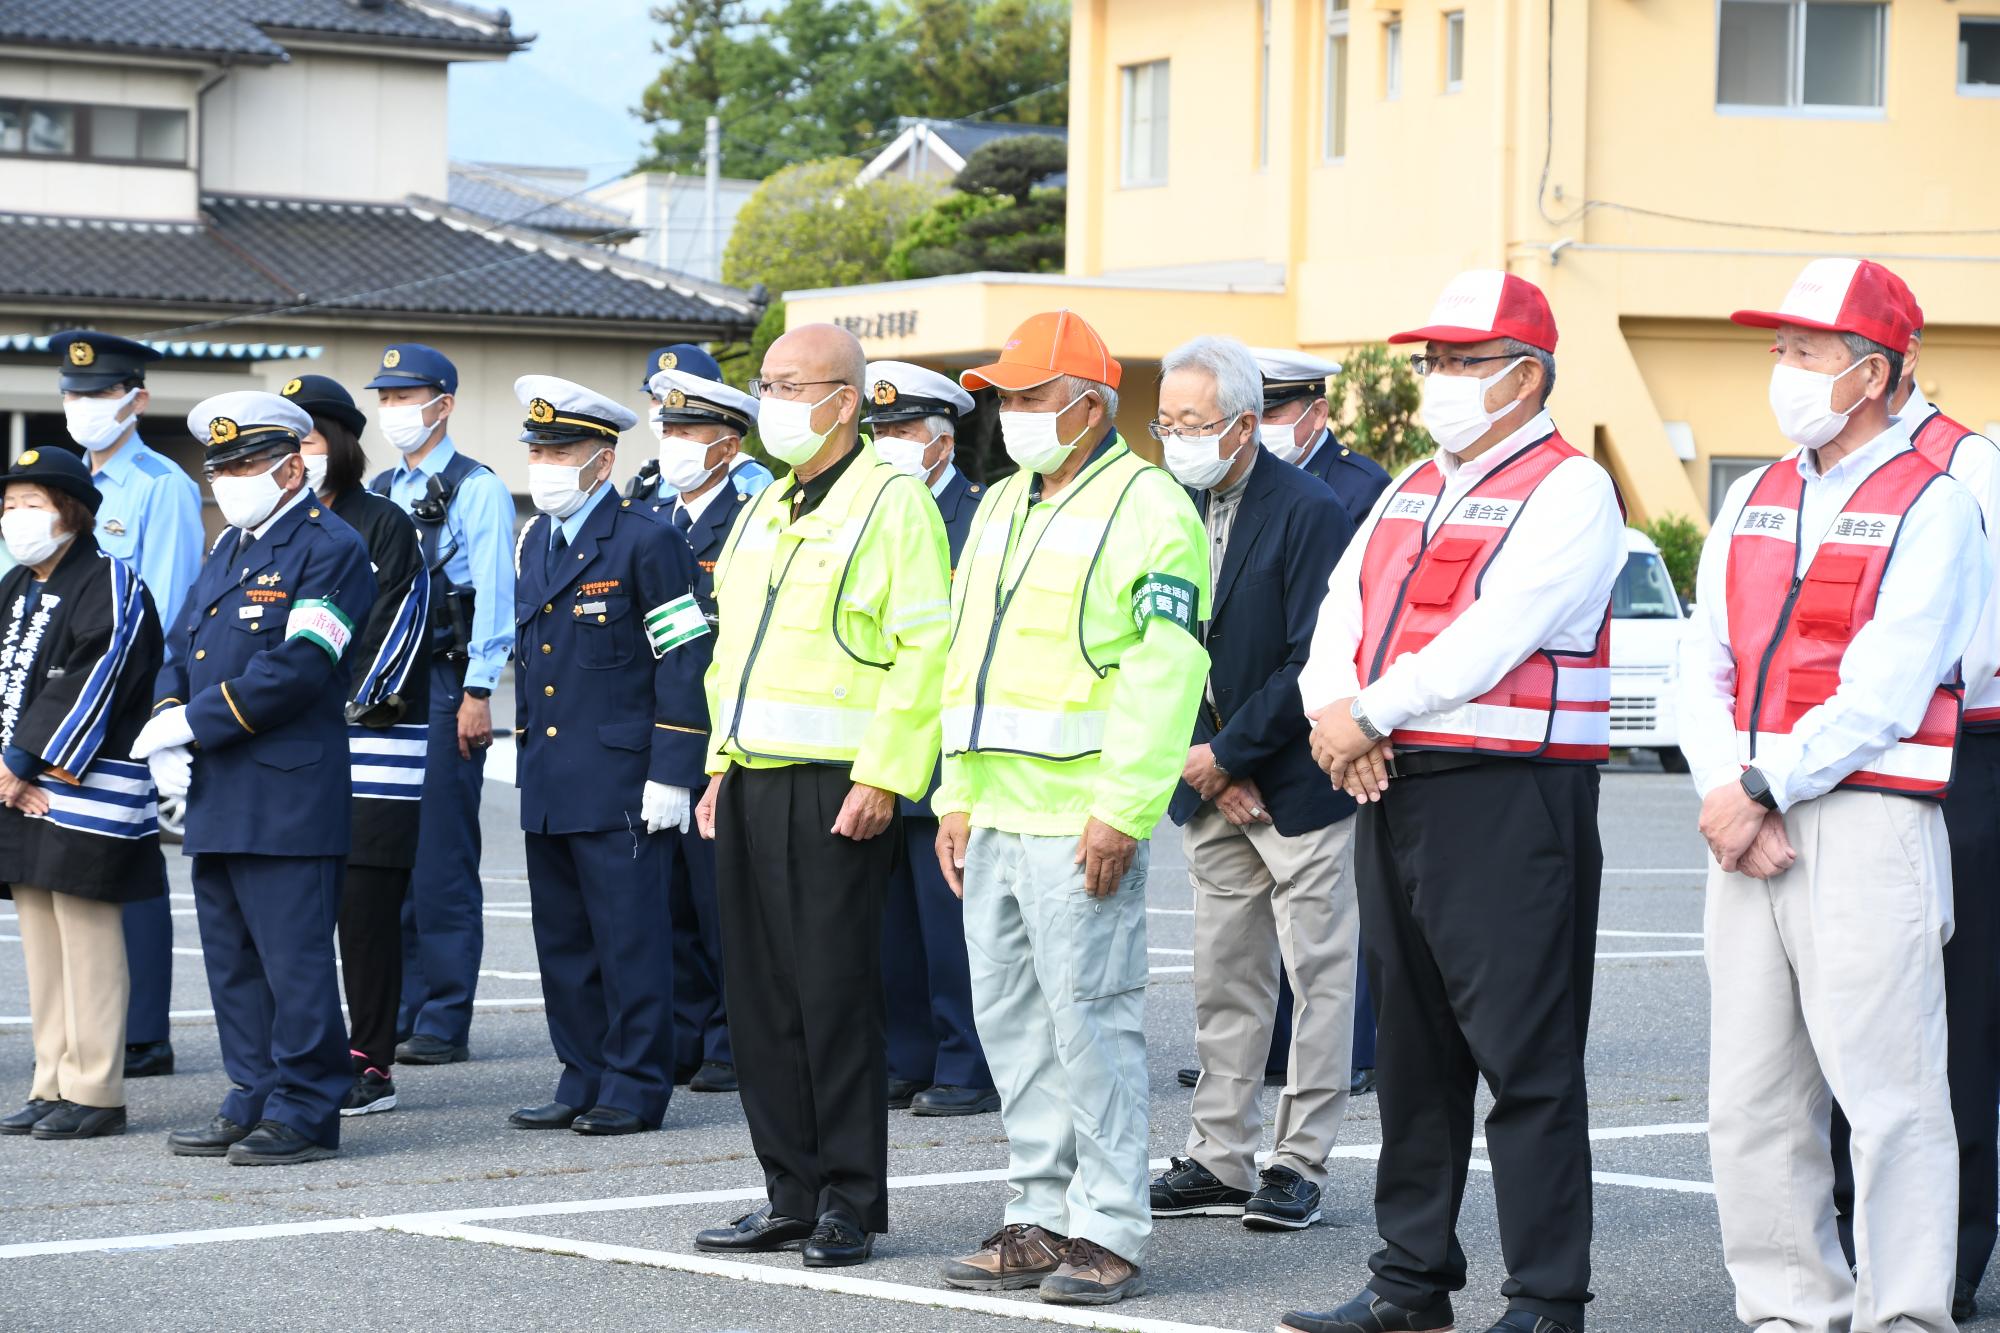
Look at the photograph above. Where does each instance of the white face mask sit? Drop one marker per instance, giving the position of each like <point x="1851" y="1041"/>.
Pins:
<point x="31" y="536"/>
<point x="1278" y="439"/>
<point x="906" y="456"/>
<point x="315" y="470"/>
<point x="1032" y="441"/>
<point x="247" y="501"/>
<point x="557" y="488"/>
<point x="94" y="423"/>
<point x="681" y="465"/>
<point x="785" y="425"/>
<point x="1802" y="400"/>
<point x="1196" y="462"/>
<point x="403" y="425"/>
<point x="1454" y="407"/>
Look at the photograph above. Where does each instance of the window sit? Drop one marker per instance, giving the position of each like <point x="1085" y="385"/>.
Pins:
<point x="1336" y="80"/>
<point x="1643" y="591"/>
<point x="1979" y="57"/>
<point x="1146" y="124"/>
<point x="1801" y="55"/>
<point x="94" y="133"/>
<point x="1264" y="84"/>
<point x="1392" y="60"/>
<point x="1454" y="51"/>
<point x="1724" y="473"/>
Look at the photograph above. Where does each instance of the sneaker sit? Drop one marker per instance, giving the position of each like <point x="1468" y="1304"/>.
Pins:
<point x="373" y="1091"/>
<point x="1287" y="1202"/>
<point x="1018" y="1255"/>
<point x="1369" y="1313"/>
<point x="1189" y="1189"/>
<point x="1092" y="1275"/>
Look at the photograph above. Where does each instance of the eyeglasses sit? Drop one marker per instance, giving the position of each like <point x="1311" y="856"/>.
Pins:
<point x="763" y="388"/>
<point x="1451" y="365"/>
<point x="1184" y="433"/>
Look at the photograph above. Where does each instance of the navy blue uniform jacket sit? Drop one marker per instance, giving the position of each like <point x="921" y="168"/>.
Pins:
<point x="956" y="505"/>
<point x="598" y="714"/>
<point x="707" y="535"/>
<point x="1289" y="533"/>
<point x="1356" y="478"/>
<point x="265" y="692"/>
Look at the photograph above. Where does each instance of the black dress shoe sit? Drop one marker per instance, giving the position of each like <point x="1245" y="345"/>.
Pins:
<point x="1369" y="1313"/>
<point x="211" y="1140"/>
<point x="23" y="1120"/>
<point x="549" y="1115"/>
<point x="1527" y="1321"/>
<point x="1273" y="1078"/>
<point x="71" y="1121"/>
<point x="713" y="1076"/>
<point x="1189" y="1077"/>
<point x="1364" y="1083"/>
<point x="149" y="1059"/>
<point x="273" y="1144"/>
<point x="1964" y="1301"/>
<point x="608" y="1120"/>
<point x="943" y="1099"/>
<point x="424" y="1049"/>
<point x="837" y="1242"/>
<point x="755" y="1233"/>
<point x="902" y="1091"/>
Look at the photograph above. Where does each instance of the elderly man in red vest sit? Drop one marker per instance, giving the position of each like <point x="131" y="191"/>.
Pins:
<point x="1459" y="686"/>
<point x="1819" y="708"/>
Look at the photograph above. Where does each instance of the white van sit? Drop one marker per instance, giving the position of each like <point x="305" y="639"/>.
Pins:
<point x="1646" y="618"/>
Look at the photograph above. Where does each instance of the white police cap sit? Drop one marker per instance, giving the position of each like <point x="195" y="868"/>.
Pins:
<point x="1291" y="374"/>
<point x="562" y="412"/>
<point x="902" y="391"/>
<point x="693" y="399"/>
<point x="245" y="421"/>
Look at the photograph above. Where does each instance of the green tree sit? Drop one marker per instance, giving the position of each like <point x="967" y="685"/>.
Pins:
<point x="998" y="221"/>
<point x="1374" y="400"/>
<point x="934" y="243"/>
<point x="1679" y="540"/>
<point x="812" y="226"/>
<point x="999" y="59"/>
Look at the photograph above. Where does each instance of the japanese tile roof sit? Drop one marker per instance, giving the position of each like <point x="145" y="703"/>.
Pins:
<point x="505" y="197"/>
<point x="250" y="29"/>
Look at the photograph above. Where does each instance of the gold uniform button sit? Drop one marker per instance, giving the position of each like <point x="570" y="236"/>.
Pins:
<point x="548" y="607"/>
<point x="552" y="731"/>
<point x="600" y="620"/>
<point x="548" y="689"/>
<point x="212" y="610"/>
<point x="200" y="653"/>
<point x="312" y="513"/>
<point x="547" y="649"/>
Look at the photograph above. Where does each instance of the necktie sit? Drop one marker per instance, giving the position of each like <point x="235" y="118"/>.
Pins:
<point x="556" y="549"/>
<point x="683" y="520"/>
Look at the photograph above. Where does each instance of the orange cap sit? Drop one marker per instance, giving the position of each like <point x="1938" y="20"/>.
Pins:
<point x="1045" y="346"/>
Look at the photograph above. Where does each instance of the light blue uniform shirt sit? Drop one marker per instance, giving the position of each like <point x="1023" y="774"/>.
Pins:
<point x="478" y="539"/>
<point x="151" y="519"/>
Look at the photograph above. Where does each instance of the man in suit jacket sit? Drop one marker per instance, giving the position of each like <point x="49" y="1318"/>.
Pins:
<point x="1264" y="833"/>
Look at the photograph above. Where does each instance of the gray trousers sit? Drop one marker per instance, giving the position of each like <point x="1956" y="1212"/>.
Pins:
<point x="1262" y="900"/>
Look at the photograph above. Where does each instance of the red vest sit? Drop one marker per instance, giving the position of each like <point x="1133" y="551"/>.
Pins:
<point x="1938" y="439"/>
<point x="1555" y="706"/>
<point x="1788" y="631"/>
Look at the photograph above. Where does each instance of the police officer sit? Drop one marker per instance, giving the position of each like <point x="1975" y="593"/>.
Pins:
<point x="1297" y="427"/>
<point x="249" y="724"/>
<point x="936" y="1065"/>
<point x="150" y="519"/>
<point x="745" y="474"/>
<point x="700" y="423"/>
<point x="612" y="726"/>
<point x="466" y="517"/>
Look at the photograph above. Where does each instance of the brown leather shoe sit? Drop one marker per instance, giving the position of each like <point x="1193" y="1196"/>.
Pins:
<point x="1092" y="1275"/>
<point x="1015" y="1256"/>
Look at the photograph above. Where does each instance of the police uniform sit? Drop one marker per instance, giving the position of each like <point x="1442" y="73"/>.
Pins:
<point x="687" y="389"/>
<point x="746" y="474"/>
<point x="611" y="650"/>
<point x="255" y="682"/>
<point x="151" y="520"/>
<point x="936" y="1064"/>
<point x="465" y="515"/>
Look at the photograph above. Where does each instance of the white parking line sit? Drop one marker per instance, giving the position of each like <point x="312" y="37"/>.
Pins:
<point x="1653" y="934"/>
<point x="1656" y="870"/>
<point x="501" y="1002"/>
<point x="1654" y="953"/>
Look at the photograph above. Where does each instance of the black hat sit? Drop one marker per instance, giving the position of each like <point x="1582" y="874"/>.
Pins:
<point x="57" y="469"/>
<point x="93" y="360"/>
<point x="324" y="396"/>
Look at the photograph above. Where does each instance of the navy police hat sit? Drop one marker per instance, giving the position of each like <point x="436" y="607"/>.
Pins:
<point x="245" y="422"/>
<point x="405" y="364"/>
<point x="57" y="469"/>
<point x="93" y="360"/>
<point x="684" y="357"/>
<point x="563" y="412"/>
<point x="324" y="396"/>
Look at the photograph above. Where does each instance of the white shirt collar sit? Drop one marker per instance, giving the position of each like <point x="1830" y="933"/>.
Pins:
<point x="696" y="508"/>
<point x="1456" y="470"/>
<point x="1914" y="411"/>
<point x="1312" y="450"/>
<point x="1863" y="460"/>
<point x="264" y="527"/>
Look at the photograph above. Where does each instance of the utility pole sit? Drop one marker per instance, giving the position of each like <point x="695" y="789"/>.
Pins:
<point x="712" y="197"/>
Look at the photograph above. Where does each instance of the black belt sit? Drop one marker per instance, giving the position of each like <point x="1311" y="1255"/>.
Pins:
<point x="1422" y="763"/>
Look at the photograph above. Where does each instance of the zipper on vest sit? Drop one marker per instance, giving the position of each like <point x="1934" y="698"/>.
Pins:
<point x="1770" y="651"/>
<point x="757" y="646"/>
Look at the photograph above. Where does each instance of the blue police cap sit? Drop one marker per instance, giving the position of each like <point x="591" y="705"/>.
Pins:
<point x="684" y="357"/>
<point x="405" y="364"/>
<point x="93" y="360"/>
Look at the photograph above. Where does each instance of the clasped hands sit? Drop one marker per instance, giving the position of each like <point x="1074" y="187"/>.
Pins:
<point x="1746" y="838"/>
<point x="1357" y="765"/>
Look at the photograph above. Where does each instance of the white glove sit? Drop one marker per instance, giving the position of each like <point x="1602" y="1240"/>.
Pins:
<point x="164" y="731"/>
<point x="665" y="807"/>
<point x="173" y="771"/>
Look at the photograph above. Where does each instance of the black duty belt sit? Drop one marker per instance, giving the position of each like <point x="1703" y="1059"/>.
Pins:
<point x="1423" y="763"/>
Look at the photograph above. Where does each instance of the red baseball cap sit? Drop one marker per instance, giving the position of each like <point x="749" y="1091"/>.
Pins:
<point x="1484" y="303"/>
<point x="1045" y="346"/>
<point x="1843" y="296"/>
<point x="1911" y="309"/>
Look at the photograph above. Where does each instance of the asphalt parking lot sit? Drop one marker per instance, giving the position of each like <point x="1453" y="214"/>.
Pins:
<point x="438" y="1215"/>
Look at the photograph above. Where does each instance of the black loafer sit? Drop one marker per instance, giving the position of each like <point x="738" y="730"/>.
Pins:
<point x="608" y="1120"/>
<point x="1369" y="1313"/>
<point x="1189" y="1077"/>
<point x="273" y="1144"/>
<point x="149" y="1059"/>
<point x="549" y="1115"/>
<point x="756" y="1233"/>
<point x="23" y="1120"/>
<point x="211" y="1140"/>
<point x="837" y="1242"/>
<point x="424" y="1049"/>
<point x="713" y="1076"/>
<point x="1964" y="1301"/>
<point x="902" y="1091"/>
<point x="942" y="1099"/>
<point x="72" y="1121"/>
<point x="1364" y="1083"/>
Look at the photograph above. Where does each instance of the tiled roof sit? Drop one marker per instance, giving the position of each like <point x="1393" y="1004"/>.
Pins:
<point x="241" y="29"/>
<point x="424" y="260"/>
<point x="505" y="197"/>
<point x="968" y="136"/>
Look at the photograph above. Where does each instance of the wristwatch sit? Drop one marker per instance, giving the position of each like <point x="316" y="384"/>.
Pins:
<point x="478" y="692"/>
<point x="1368" y="729"/>
<point x="1758" y="788"/>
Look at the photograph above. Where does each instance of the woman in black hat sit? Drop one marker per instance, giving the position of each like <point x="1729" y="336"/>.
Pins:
<point x="79" y="837"/>
<point x="387" y="726"/>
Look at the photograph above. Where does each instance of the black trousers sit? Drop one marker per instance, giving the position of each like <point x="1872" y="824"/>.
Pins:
<point x="1478" y="889"/>
<point x="371" y="958"/>
<point x="802" y="968"/>
<point x="1972" y="1010"/>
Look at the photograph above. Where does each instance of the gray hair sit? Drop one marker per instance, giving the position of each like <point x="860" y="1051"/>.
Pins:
<point x="1862" y="348"/>
<point x="1074" y="386"/>
<point x="939" y="425"/>
<point x="1547" y="361"/>
<point x="1239" y="388"/>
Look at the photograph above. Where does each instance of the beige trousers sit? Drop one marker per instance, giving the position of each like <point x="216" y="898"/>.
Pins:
<point x="1829" y="980"/>
<point x="77" y="992"/>
<point x="1262" y="900"/>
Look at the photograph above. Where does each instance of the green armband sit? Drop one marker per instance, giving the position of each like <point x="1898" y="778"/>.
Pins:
<point x="1164" y="595"/>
